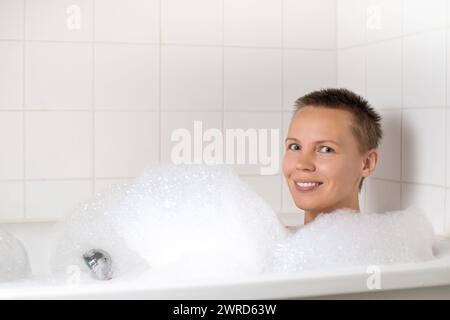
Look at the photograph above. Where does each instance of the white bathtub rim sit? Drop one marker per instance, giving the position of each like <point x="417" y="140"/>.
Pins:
<point x="268" y="286"/>
<point x="434" y="272"/>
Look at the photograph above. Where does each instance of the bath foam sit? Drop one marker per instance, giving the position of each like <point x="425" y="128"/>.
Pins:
<point x="177" y="220"/>
<point x="14" y="262"/>
<point x="345" y="238"/>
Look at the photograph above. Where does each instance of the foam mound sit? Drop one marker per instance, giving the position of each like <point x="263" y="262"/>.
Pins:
<point x="187" y="220"/>
<point x="14" y="262"/>
<point x="197" y="221"/>
<point x="345" y="238"/>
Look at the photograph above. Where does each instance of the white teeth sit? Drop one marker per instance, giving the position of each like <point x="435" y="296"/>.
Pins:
<point x="307" y="184"/>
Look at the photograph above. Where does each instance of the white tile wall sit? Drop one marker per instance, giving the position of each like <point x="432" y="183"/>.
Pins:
<point x="351" y="72"/>
<point x="430" y="199"/>
<point x="351" y="22"/>
<point x="300" y="17"/>
<point x="422" y="15"/>
<point x="447" y="160"/>
<point x="382" y="196"/>
<point x="89" y="97"/>
<point x="384" y="74"/>
<point x="447" y="213"/>
<point x="268" y="187"/>
<point x="252" y="120"/>
<point x="12" y="205"/>
<point x="64" y="20"/>
<point x="11" y="75"/>
<point x="383" y="19"/>
<point x="423" y="149"/>
<point x="395" y="52"/>
<point x="252" y="79"/>
<point x="302" y="75"/>
<point x="58" y="145"/>
<point x="390" y="151"/>
<point x="447" y="70"/>
<point x="126" y="77"/>
<point x="424" y="69"/>
<point x="41" y="204"/>
<point x="125" y="143"/>
<point x="11" y="19"/>
<point x="191" y="78"/>
<point x="197" y="22"/>
<point x="171" y="121"/>
<point x="11" y="141"/>
<point x="58" y="75"/>
<point x="135" y="21"/>
<point x="252" y="23"/>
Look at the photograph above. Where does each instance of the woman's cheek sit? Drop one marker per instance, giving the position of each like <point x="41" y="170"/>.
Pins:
<point x="340" y="173"/>
<point x="288" y="164"/>
<point x="331" y="170"/>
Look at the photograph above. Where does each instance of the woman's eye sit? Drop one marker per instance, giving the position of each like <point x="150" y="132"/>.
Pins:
<point x="326" y="148"/>
<point x="293" y="146"/>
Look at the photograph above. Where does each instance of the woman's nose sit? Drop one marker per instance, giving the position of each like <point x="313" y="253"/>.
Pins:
<point x="304" y="162"/>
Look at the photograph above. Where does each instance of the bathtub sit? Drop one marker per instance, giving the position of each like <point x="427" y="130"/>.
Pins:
<point x="423" y="280"/>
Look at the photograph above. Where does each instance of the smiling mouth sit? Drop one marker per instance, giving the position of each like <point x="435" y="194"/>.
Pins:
<point x="307" y="186"/>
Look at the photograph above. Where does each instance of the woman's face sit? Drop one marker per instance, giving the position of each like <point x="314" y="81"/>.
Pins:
<point x="320" y="147"/>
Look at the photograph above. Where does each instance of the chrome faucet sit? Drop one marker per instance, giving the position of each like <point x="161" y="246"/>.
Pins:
<point x="100" y="263"/>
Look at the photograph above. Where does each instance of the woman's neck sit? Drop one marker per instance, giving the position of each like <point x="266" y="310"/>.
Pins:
<point x="310" y="215"/>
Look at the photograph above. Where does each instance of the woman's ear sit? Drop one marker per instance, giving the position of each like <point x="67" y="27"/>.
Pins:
<point x="370" y="162"/>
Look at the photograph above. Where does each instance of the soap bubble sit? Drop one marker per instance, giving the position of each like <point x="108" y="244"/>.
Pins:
<point x="345" y="238"/>
<point x="178" y="222"/>
<point x="13" y="258"/>
<point x="191" y="219"/>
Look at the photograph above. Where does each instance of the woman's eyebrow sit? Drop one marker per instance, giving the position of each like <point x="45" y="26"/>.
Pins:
<point x="320" y="141"/>
<point x="332" y="141"/>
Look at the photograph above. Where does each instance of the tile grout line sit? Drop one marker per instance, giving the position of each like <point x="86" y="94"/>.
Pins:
<point x="402" y="41"/>
<point x="195" y="110"/>
<point x="160" y="85"/>
<point x="173" y="110"/>
<point x="399" y="37"/>
<point x="223" y="76"/>
<point x="168" y="44"/>
<point x="24" y="131"/>
<point x="234" y="46"/>
<point x="446" y="169"/>
<point x="94" y="185"/>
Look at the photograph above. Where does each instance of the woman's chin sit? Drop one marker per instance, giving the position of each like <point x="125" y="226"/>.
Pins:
<point x="308" y="206"/>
